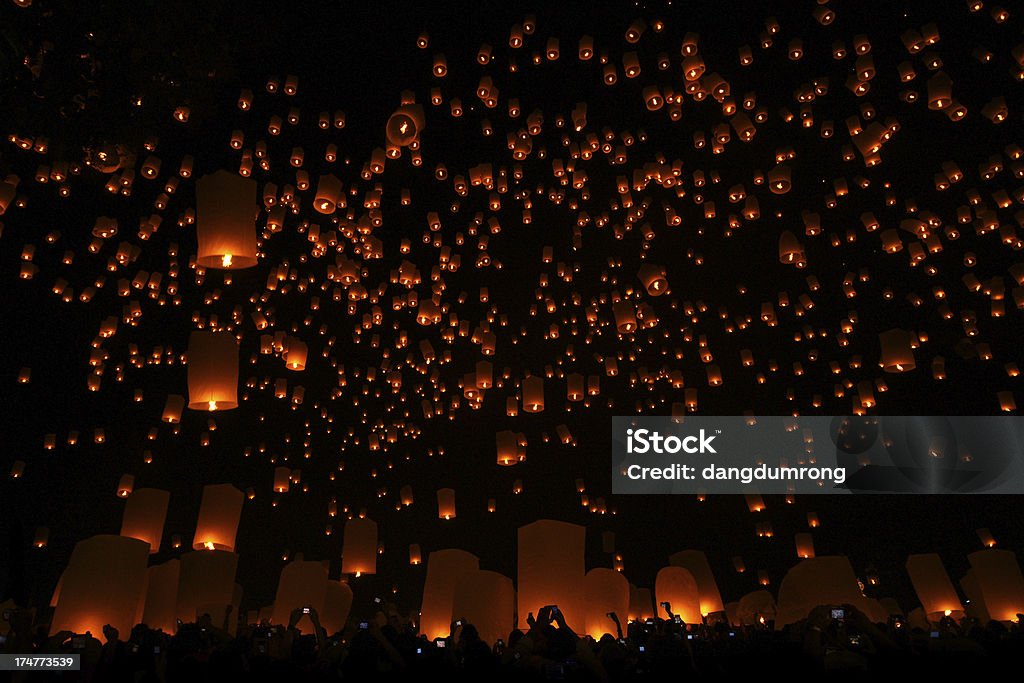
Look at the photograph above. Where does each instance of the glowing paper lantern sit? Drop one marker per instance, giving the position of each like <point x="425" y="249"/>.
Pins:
<point x="605" y="590"/>
<point x="818" y="581"/>
<point x="446" y="503"/>
<point x="328" y="194"/>
<point x="295" y="354"/>
<point x="696" y="562"/>
<point x="641" y="606"/>
<point x="551" y="570"/>
<point x="302" y="584"/>
<point x="219" y="514"/>
<point x="897" y="352"/>
<point x="678" y="587"/>
<point x="173" y="408"/>
<point x="337" y="605"/>
<point x="359" y="548"/>
<point x="804" y="545"/>
<point x="225" y="221"/>
<point x="160" y="611"/>
<point x="212" y="371"/>
<point x="533" y="394"/>
<point x="1000" y="581"/>
<point x="405" y="125"/>
<point x="753" y="607"/>
<point x="125" y="485"/>
<point x="486" y="600"/>
<point x="446" y="569"/>
<point x="144" y="516"/>
<point x="104" y="583"/>
<point x="206" y="582"/>
<point x="282" y="479"/>
<point x="933" y="587"/>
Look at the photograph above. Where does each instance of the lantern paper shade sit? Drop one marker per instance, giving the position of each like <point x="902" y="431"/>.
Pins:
<point x="897" y="353"/>
<point x="551" y="570"/>
<point x="641" y="606"/>
<point x="753" y="606"/>
<point x="302" y="584"/>
<point x="337" y="605"/>
<point x="446" y="503"/>
<point x="804" y="545"/>
<point x="219" y="514"/>
<point x="404" y="125"/>
<point x="359" y="550"/>
<point x="172" y="408"/>
<point x="933" y="587"/>
<point x="606" y="590"/>
<point x="160" y="610"/>
<point x="817" y="581"/>
<point x="446" y="569"/>
<point x="226" y="221"/>
<point x="144" y="515"/>
<point x="212" y="371"/>
<point x="678" y="587"/>
<point x="696" y="562"/>
<point x="486" y="600"/>
<point x="206" y="582"/>
<point x="1000" y="582"/>
<point x="976" y="607"/>
<point x="104" y="583"/>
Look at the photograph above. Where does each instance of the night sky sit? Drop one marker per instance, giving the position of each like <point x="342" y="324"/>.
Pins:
<point x="85" y="76"/>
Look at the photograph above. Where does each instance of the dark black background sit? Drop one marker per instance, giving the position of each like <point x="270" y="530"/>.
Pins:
<point x="358" y="57"/>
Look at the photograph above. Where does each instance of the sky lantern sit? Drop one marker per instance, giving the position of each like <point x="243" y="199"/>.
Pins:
<point x="487" y="600"/>
<point x="212" y="371"/>
<point x="446" y="503"/>
<point x="206" y="585"/>
<point x="302" y="584"/>
<point x="219" y="514"/>
<point x="756" y="608"/>
<point x="533" y="394"/>
<point x="173" y="408"/>
<point x="696" y="562"/>
<point x="897" y="351"/>
<point x="934" y="589"/>
<point x="551" y="570"/>
<point x="405" y="125"/>
<point x="641" y="606"/>
<point x="446" y="569"/>
<point x="144" y="514"/>
<point x="225" y="221"/>
<point x="606" y="590"/>
<point x="126" y="485"/>
<point x="295" y="354"/>
<point x="282" y="479"/>
<point x="337" y="605"/>
<point x="359" y="548"/>
<point x="104" y="583"/>
<point x="817" y="581"/>
<point x="161" y="601"/>
<point x="804" y="545"/>
<point x="328" y="194"/>
<point x="1001" y="584"/>
<point x="678" y="587"/>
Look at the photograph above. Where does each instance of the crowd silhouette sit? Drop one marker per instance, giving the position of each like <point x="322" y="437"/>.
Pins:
<point x="837" y="639"/>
